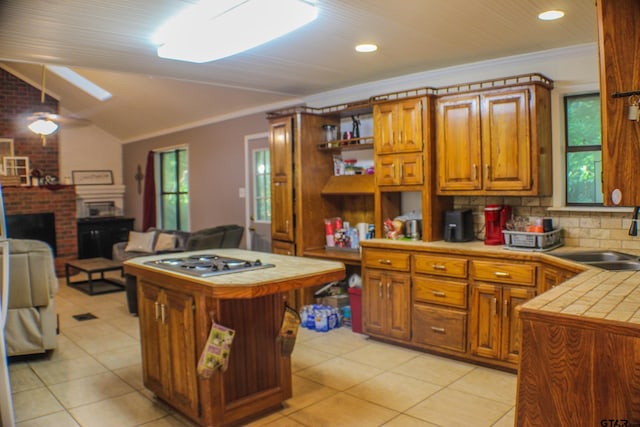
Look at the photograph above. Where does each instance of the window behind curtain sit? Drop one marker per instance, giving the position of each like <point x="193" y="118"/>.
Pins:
<point x="173" y="198"/>
<point x="583" y="149"/>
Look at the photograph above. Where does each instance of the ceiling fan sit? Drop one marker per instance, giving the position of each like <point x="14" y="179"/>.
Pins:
<point x="44" y="123"/>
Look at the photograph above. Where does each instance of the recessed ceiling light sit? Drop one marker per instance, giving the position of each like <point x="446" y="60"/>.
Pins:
<point x="551" y="15"/>
<point x="366" y="47"/>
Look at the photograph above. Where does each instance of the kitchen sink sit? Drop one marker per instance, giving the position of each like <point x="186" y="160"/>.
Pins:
<point x="608" y="260"/>
<point x="617" y="265"/>
<point x="597" y="256"/>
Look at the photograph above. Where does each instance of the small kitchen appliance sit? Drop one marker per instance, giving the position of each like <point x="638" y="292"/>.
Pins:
<point x="458" y="225"/>
<point x="205" y="265"/>
<point x="495" y="218"/>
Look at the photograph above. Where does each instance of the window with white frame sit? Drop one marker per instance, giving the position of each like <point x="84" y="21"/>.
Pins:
<point x="583" y="161"/>
<point x="262" y="185"/>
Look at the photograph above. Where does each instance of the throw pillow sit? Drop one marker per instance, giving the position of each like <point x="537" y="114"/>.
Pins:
<point x="140" y="242"/>
<point x="165" y="242"/>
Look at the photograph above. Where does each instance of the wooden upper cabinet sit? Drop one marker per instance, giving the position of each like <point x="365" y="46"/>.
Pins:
<point x="398" y="126"/>
<point x="280" y="144"/>
<point x="494" y="142"/>
<point x="458" y="143"/>
<point x="506" y="142"/>
<point x="618" y="35"/>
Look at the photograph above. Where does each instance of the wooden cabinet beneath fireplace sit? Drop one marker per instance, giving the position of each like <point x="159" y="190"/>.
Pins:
<point x="96" y="236"/>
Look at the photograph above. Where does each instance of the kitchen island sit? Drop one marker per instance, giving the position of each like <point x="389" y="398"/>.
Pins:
<point x="176" y="311"/>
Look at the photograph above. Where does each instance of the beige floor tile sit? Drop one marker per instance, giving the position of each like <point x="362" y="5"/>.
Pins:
<point x="342" y="410"/>
<point x="282" y="422"/>
<point x="434" y="369"/>
<point x="455" y="408"/>
<point x="304" y="356"/>
<point x="403" y="420"/>
<point x="66" y="350"/>
<point x="508" y="420"/>
<point x="123" y="411"/>
<point x="34" y="404"/>
<point x="102" y="342"/>
<point x="273" y="419"/>
<point x="121" y="357"/>
<point x="489" y="383"/>
<point x="339" y="374"/>
<point x="393" y="391"/>
<point x="132" y="375"/>
<point x="381" y="355"/>
<point x="337" y="341"/>
<point x="169" y="421"/>
<point x="90" y="389"/>
<point x="24" y="379"/>
<point x="59" y="419"/>
<point x="305" y="393"/>
<point x="56" y="372"/>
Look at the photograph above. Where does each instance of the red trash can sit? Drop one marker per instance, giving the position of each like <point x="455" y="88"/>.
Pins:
<point x="355" y="300"/>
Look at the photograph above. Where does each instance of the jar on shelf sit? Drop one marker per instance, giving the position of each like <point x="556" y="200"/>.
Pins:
<point x="330" y="133"/>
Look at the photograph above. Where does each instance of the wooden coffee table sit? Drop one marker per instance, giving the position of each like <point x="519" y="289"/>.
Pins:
<point x="91" y="266"/>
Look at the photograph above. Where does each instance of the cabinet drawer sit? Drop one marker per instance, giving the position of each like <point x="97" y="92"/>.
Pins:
<point x="389" y="260"/>
<point x="442" y="266"/>
<point x="520" y="274"/>
<point x="440" y="327"/>
<point x="441" y="292"/>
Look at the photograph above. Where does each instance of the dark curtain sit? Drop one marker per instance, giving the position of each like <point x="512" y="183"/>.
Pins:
<point x="149" y="195"/>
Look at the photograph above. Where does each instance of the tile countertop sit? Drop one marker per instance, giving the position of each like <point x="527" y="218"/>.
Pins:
<point x="286" y="267"/>
<point x="594" y="293"/>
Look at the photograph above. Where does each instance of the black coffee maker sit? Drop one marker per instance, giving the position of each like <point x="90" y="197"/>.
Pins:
<point x="458" y="225"/>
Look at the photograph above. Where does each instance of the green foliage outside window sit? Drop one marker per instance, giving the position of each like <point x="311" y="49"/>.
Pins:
<point x="584" y="149"/>
<point x="174" y="185"/>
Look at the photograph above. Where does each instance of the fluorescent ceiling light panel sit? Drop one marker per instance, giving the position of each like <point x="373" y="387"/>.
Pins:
<point x="551" y="15"/>
<point x="80" y="82"/>
<point x="215" y="29"/>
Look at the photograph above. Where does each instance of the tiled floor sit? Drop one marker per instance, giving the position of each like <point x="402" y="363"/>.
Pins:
<point x="339" y="379"/>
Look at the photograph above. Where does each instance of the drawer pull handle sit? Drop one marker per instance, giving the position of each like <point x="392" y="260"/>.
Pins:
<point x="163" y="313"/>
<point x="380" y="289"/>
<point x="495" y="307"/>
<point x="439" y="267"/>
<point x="389" y="290"/>
<point x="438" y="329"/>
<point x="501" y="274"/>
<point x="506" y="309"/>
<point x="157" y="310"/>
<point x="438" y="294"/>
<point x="385" y="261"/>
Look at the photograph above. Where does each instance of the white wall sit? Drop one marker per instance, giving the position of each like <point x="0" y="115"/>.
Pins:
<point x="89" y="148"/>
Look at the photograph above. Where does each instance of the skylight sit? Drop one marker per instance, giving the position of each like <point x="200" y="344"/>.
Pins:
<point x="215" y="29"/>
<point x="82" y="83"/>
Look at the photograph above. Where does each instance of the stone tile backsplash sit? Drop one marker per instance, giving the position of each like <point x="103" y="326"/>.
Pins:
<point x="584" y="229"/>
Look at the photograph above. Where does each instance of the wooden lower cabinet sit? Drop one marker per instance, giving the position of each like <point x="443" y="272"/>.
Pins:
<point x="494" y="323"/>
<point x="169" y="355"/>
<point x="440" y="327"/>
<point x="386" y="299"/>
<point x="578" y="371"/>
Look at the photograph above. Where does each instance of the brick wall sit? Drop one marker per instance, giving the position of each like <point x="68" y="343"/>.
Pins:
<point x="61" y="200"/>
<point x="18" y="100"/>
<point x="605" y="230"/>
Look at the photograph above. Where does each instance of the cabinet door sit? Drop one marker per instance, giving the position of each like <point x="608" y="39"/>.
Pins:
<point x="386" y="173"/>
<point x="154" y="357"/>
<point x="384" y="122"/>
<point x="280" y="144"/>
<point x="398" y="294"/>
<point x="411" y="169"/>
<point x="618" y="35"/>
<point x="506" y="140"/>
<point x="458" y="143"/>
<point x="485" y="320"/>
<point x="409" y="126"/>
<point x="511" y="298"/>
<point x="177" y="317"/>
<point x="373" y="302"/>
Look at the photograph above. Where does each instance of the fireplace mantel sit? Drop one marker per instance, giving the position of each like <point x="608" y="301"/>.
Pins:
<point x="99" y="193"/>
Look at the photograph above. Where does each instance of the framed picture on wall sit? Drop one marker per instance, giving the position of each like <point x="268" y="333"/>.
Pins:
<point x="6" y="150"/>
<point x="17" y="166"/>
<point x="93" y="177"/>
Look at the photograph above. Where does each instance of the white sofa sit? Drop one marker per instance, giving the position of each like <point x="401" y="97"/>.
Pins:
<point x="32" y="323"/>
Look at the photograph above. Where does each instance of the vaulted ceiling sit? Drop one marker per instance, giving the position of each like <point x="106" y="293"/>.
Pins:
<point x="108" y="42"/>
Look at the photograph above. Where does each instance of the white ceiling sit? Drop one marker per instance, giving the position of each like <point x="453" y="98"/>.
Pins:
<point x="108" y="42"/>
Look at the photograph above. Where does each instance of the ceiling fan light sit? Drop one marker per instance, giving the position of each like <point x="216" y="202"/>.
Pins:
<point x="551" y="15"/>
<point x="202" y="34"/>
<point x="43" y="127"/>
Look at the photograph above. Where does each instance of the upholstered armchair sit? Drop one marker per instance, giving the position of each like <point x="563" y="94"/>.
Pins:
<point x="32" y="323"/>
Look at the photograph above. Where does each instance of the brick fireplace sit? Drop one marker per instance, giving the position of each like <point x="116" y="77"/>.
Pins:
<point x="61" y="200"/>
